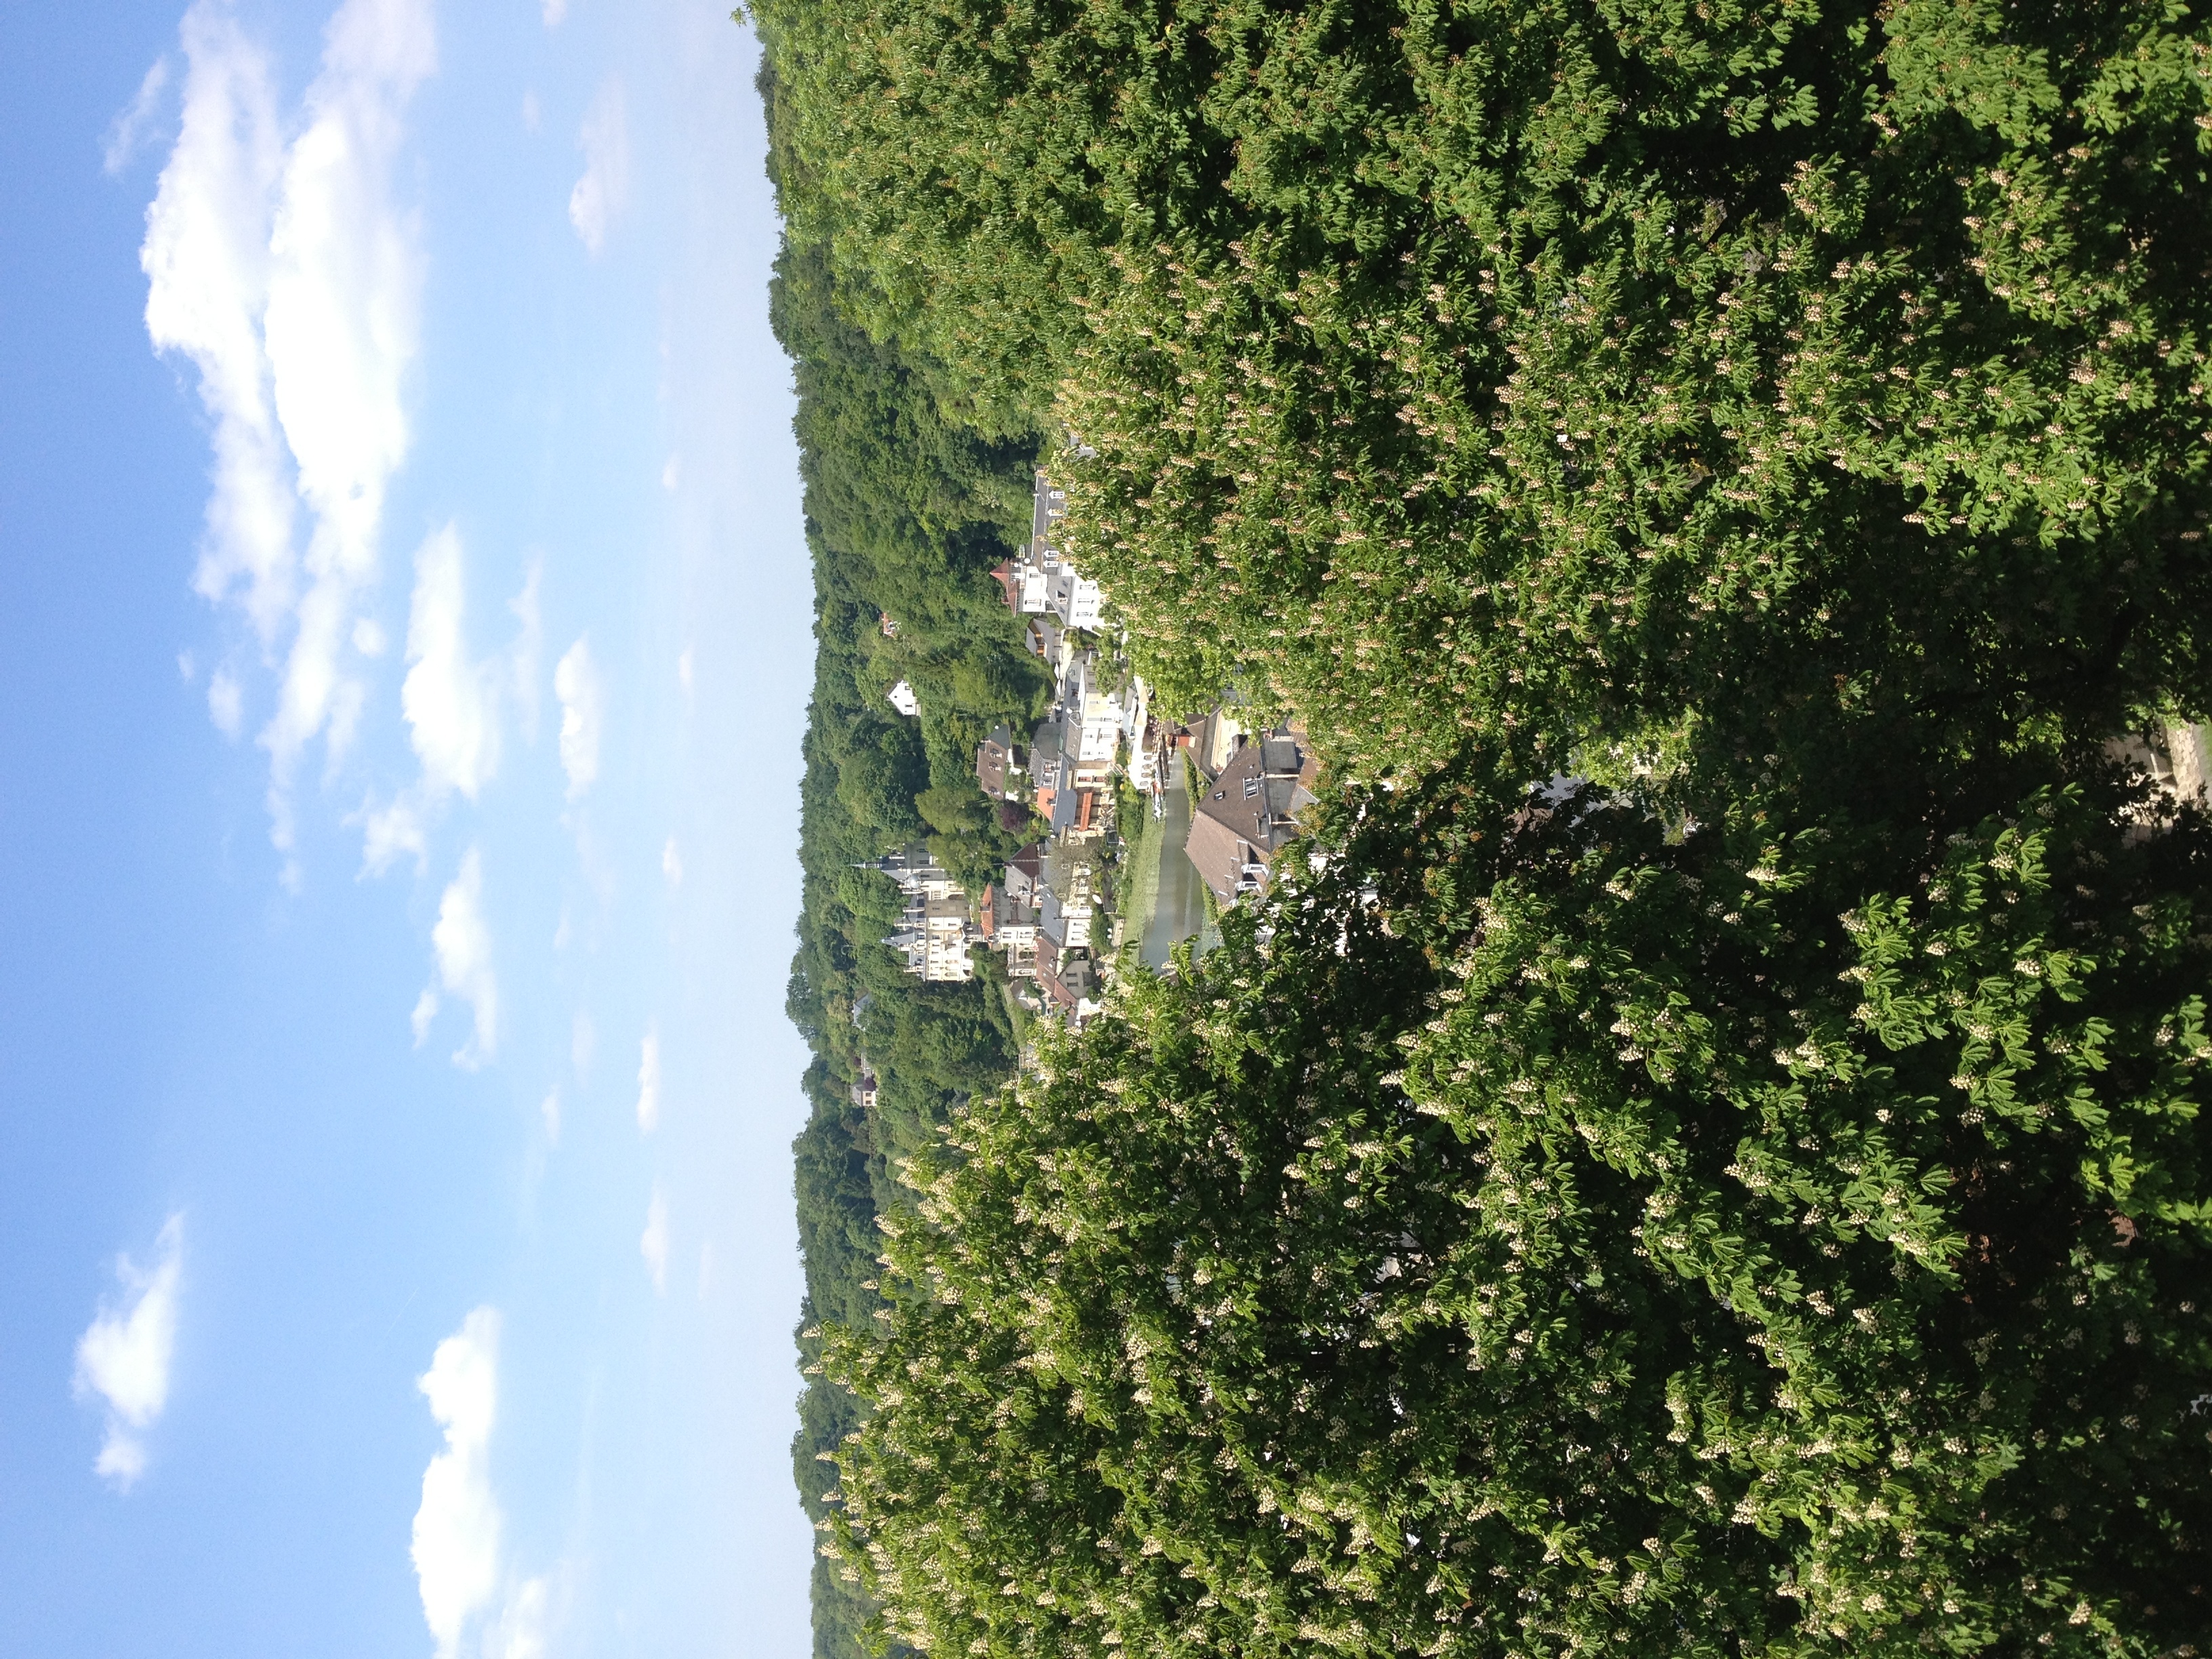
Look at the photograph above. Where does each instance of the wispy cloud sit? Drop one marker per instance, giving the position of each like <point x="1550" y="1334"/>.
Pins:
<point x="648" y="1082"/>
<point x="457" y="1528"/>
<point x="672" y="863"/>
<point x="653" y="1244"/>
<point x="124" y="1358"/>
<point x="462" y="942"/>
<point x="522" y="1623"/>
<point x="225" y="703"/>
<point x="583" y="698"/>
<point x="450" y="700"/>
<point x="135" y="125"/>
<point x="290" y="279"/>
<point x="555" y="10"/>
<point x="604" y="190"/>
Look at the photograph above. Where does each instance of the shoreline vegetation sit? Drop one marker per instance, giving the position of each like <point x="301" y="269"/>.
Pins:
<point x="1686" y="1134"/>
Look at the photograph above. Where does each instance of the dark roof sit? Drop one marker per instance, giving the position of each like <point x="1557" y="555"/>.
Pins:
<point x="1026" y="867"/>
<point x="1250" y="811"/>
<point x="992" y="757"/>
<point x="1046" y="756"/>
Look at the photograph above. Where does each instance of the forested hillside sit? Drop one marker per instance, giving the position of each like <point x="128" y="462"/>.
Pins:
<point x="906" y="512"/>
<point x="1705" y="1154"/>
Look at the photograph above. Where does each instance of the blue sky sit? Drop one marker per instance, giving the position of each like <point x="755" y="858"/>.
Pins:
<point x="404" y="646"/>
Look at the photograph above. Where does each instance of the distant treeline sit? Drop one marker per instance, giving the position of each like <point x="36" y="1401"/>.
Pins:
<point x="906" y="512"/>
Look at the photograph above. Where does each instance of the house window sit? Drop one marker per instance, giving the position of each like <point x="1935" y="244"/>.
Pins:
<point x="1251" y="788"/>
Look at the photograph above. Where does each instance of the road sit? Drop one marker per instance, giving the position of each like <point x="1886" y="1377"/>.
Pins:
<point x="1180" y="912"/>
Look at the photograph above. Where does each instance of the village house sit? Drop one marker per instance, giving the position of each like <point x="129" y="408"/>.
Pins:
<point x="1212" y="742"/>
<point x="1048" y="507"/>
<point x="935" y="930"/>
<point x="1050" y="771"/>
<point x="999" y="762"/>
<point x="1250" y="811"/>
<point x="1069" y="982"/>
<point x="945" y="939"/>
<point x="1137" y="731"/>
<point x="1009" y="925"/>
<point x="1092" y="716"/>
<point x="1067" y="926"/>
<point x="901" y="697"/>
<point x="864" y="1089"/>
<point x="1079" y="814"/>
<point x="1069" y="898"/>
<point x="1043" y="581"/>
<point x="1047" y="639"/>
<point x="1024" y="874"/>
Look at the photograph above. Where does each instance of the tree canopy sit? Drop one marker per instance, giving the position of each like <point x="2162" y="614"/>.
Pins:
<point x="1703" y="1152"/>
<point x="1567" y="370"/>
<point x="1611" y="1246"/>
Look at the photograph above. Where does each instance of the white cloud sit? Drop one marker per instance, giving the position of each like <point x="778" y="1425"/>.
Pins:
<point x="345" y="290"/>
<point x="583" y="698"/>
<point x="426" y="1010"/>
<point x="128" y="136"/>
<point x="648" y="1082"/>
<point x="225" y="703"/>
<point x="549" y="1109"/>
<point x="554" y="11"/>
<point x="125" y="1356"/>
<point x="462" y="942"/>
<point x="683" y="674"/>
<point x="672" y="863"/>
<point x="604" y="190"/>
<point x="206" y="259"/>
<point x="672" y="474"/>
<point x="457" y="1528"/>
<point x="290" y="279"/>
<point x="652" y="1242"/>
<point x="450" y="702"/>
<point x="390" y="830"/>
<point x="531" y="114"/>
